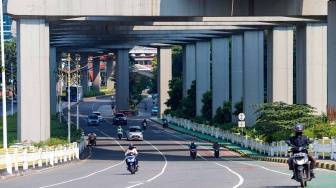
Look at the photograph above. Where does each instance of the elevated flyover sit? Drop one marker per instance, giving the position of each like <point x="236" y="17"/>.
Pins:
<point x="46" y="28"/>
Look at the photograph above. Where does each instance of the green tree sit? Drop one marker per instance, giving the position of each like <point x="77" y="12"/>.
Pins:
<point x="206" y="110"/>
<point x="281" y="117"/>
<point x="177" y="61"/>
<point x="189" y="102"/>
<point x="223" y="114"/>
<point x="154" y="78"/>
<point x="238" y="107"/>
<point x="10" y="62"/>
<point x="175" y="94"/>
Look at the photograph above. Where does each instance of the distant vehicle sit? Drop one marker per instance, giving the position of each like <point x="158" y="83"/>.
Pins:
<point x="15" y="100"/>
<point x="154" y="96"/>
<point x="98" y="114"/>
<point x="120" y="118"/>
<point x="134" y="133"/>
<point x="93" y="120"/>
<point x="73" y="93"/>
<point x="154" y="111"/>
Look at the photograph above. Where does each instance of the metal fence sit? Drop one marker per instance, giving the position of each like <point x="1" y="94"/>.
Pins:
<point x="32" y="157"/>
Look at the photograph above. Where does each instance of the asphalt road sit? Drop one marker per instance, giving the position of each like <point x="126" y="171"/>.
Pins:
<point x="164" y="162"/>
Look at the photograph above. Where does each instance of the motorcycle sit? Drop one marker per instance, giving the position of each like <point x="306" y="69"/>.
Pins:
<point x="216" y="152"/>
<point x="193" y="153"/>
<point x="144" y="125"/>
<point x="301" y="164"/>
<point x="164" y="123"/>
<point x="131" y="163"/>
<point x="120" y="135"/>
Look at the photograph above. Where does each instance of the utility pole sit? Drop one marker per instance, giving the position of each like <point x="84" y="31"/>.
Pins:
<point x="12" y="81"/>
<point x="77" y="114"/>
<point x="69" y="120"/>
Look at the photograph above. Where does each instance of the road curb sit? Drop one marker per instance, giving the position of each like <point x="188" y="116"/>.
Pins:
<point x="319" y="164"/>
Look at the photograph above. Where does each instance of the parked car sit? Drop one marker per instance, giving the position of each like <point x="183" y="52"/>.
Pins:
<point x="93" y="120"/>
<point x="134" y="133"/>
<point x="98" y="114"/>
<point x="154" y="111"/>
<point x="120" y="118"/>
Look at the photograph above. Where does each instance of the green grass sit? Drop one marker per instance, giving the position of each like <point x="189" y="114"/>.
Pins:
<point x="59" y="132"/>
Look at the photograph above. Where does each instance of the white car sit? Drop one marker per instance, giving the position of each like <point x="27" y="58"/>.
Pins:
<point x="134" y="133"/>
<point x="98" y="114"/>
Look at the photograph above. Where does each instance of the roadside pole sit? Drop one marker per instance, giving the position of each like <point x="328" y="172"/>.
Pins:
<point x="77" y="113"/>
<point x="4" y="113"/>
<point x="241" y="123"/>
<point x="69" y="120"/>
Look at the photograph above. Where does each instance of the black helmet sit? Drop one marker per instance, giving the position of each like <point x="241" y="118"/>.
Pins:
<point x="131" y="146"/>
<point x="298" y="127"/>
<point x="192" y="142"/>
<point x="144" y="119"/>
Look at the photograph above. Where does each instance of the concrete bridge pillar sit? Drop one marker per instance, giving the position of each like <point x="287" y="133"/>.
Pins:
<point x="109" y="69"/>
<point x="53" y="77"/>
<point x="84" y="77"/>
<point x="189" y="66"/>
<point x="202" y="73"/>
<point x="311" y="71"/>
<point x="220" y="73"/>
<point x="236" y="72"/>
<point x="280" y="65"/>
<point x="122" y="80"/>
<point x="331" y="46"/>
<point x="33" y="79"/>
<point x="253" y="70"/>
<point x="96" y="74"/>
<point x="164" y="76"/>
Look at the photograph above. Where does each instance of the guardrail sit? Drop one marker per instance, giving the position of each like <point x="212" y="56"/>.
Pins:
<point x="324" y="147"/>
<point x="32" y="157"/>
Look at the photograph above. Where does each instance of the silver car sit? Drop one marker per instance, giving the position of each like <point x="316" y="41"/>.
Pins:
<point x="134" y="133"/>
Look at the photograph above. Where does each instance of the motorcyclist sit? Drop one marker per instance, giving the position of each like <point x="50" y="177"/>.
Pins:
<point x="132" y="148"/>
<point x="143" y="122"/>
<point x="192" y="145"/>
<point x="215" y="145"/>
<point x="145" y="106"/>
<point x="300" y="140"/>
<point x="92" y="138"/>
<point x="120" y="130"/>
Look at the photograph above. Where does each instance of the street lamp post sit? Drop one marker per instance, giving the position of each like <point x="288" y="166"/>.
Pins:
<point x="77" y="114"/>
<point x="69" y="120"/>
<point x="12" y="81"/>
<point x="4" y="113"/>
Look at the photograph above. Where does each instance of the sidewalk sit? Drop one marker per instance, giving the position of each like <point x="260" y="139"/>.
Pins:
<point x="244" y="152"/>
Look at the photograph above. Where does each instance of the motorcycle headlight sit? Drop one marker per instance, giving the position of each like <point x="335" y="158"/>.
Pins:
<point x="300" y="161"/>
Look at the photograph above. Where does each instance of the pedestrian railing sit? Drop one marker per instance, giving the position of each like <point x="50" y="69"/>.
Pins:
<point x="324" y="147"/>
<point x="18" y="156"/>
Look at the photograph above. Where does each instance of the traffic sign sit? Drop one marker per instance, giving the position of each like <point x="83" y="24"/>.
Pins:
<point x="241" y="116"/>
<point x="241" y="123"/>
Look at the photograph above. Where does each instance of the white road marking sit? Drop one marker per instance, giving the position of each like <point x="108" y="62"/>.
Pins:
<point x="135" y="185"/>
<point x="164" y="168"/>
<point x="94" y="173"/>
<point x="241" y="179"/>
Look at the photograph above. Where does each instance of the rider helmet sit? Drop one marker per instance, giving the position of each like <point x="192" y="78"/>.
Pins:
<point x="298" y="127"/>
<point x="131" y="146"/>
<point x="192" y="142"/>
